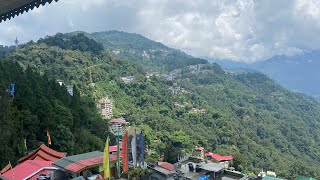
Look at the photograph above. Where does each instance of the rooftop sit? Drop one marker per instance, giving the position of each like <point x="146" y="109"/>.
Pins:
<point x="11" y="8"/>
<point x="166" y="166"/>
<point x="27" y="169"/>
<point x="80" y="162"/>
<point x="43" y="153"/>
<point x="213" y="167"/>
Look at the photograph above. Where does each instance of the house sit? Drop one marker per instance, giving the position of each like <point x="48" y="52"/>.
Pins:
<point x="118" y="124"/>
<point x="199" y="152"/>
<point x="31" y="170"/>
<point x="163" y="171"/>
<point x="224" y="160"/>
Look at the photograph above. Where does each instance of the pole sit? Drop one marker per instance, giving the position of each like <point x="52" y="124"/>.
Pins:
<point x="118" y="155"/>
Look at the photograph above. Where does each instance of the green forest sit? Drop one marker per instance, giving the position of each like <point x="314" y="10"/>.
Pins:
<point x="246" y="115"/>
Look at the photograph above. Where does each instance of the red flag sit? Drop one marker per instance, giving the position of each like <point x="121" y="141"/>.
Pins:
<point x="49" y="139"/>
<point x="125" y="155"/>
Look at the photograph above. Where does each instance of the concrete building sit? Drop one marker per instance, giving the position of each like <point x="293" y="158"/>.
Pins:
<point x="105" y="107"/>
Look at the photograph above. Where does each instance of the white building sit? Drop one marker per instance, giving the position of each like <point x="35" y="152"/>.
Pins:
<point x="105" y="107"/>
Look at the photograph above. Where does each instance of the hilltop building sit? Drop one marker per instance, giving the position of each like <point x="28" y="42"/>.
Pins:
<point x="118" y="123"/>
<point x="127" y="79"/>
<point x="105" y="107"/>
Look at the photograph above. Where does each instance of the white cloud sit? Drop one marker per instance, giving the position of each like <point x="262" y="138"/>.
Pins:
<point x="242" y="30"/>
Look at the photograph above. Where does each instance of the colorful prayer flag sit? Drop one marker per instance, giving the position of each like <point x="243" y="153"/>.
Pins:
<point x="106" y="166"/>
<point x="134" y="148"/>
<point x="125" y="157"/>
<point x="49" y="138"/>
<point x="141" y="141"/>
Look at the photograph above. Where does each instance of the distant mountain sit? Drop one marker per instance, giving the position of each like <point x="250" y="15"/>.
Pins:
<point x="298" y="73"/>
<point x="150" y="54"/>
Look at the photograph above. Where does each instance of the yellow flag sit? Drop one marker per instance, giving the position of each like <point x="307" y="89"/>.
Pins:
<point x="106" y="167"/>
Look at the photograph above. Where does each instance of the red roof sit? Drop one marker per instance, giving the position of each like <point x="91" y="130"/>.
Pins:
<point x="209" y="154"/>
<point x="89" y="163"/>
<point x="166" y="166"/>
<point x="80" y="162"/>
<point x="5" y="169"/>
<point x="118" y="121"/>
<point x="27" y="169"/>
<point x="222" y="158"/>
<point x="43" y="153"/>
<point x="114" y="148"/>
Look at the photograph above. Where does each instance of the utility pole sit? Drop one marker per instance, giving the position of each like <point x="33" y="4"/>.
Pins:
<point x="116" y="131"/>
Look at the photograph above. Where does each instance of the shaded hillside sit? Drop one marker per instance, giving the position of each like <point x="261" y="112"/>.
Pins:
<point x="248" y="115"/>
<point x="40" y="105"/>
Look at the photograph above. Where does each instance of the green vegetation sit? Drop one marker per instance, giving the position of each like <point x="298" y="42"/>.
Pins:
<point x="152" y="55"/>
<point x="248" y="115"/>
<point x="39" y="105"/>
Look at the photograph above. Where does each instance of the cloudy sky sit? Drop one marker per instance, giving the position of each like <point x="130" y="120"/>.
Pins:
<point x="240" y="30"/>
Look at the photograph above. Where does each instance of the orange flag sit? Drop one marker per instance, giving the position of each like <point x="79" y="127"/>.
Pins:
<point x="49" y="138"/>
<point x="125" y="155"/>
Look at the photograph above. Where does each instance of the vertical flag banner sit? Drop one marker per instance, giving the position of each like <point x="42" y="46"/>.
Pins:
<point x="12" y="90"/>
<point x="25" y="144"/>
<point x="141" y="141"/>
<point x="106" y="167"/>
<point x="134" y="148"/>
<point x="49" y="138"/>
<point x="125" y="157"/>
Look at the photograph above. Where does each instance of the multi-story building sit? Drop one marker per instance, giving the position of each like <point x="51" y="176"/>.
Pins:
<point x="105" y="106"/>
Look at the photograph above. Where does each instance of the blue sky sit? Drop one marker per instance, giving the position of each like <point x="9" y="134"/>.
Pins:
<point x="240" y="30"/>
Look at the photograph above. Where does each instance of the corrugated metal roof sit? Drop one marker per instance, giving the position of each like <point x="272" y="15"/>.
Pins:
<point x="78" y="163"/>
<point x="11" y="8"/>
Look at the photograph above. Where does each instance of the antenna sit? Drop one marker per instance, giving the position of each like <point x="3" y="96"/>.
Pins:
<point x="16" y="42"/>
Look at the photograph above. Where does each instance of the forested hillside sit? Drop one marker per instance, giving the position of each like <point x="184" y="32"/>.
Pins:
<point x="248" y="115"/>
<point x="40" y="105"/>
<point x="150" y="54"/>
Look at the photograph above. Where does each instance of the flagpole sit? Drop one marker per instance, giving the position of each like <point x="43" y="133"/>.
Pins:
<point x="12" y="170"/>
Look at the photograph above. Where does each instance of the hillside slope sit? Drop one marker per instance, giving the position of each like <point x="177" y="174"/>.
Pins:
<point x="299" y="73"/>
<point x="150" y="54"/>
<point x="247" y="115"/>
<point x="40" y="105"/>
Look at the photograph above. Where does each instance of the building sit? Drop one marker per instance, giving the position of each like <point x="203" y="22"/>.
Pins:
<point x="118" y="124"/>
<point x="223" y="160"/>
<point x="105" y="107"/>
<point x="127" y="79"/>
<point x="83" y="165"/>
<point x="163" y="171"/>
<point x="43" y="153"/>
<point x="199" y="152"/>
<point x="31" y="170"/>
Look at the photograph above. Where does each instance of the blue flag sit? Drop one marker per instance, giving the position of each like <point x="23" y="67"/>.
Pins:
<point x="141" y="147"/>
<point x="134" y="148"/>
<point x="12" y="90"/>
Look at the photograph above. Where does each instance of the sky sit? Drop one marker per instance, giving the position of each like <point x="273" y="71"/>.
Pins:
<point x="238" y="30"/>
